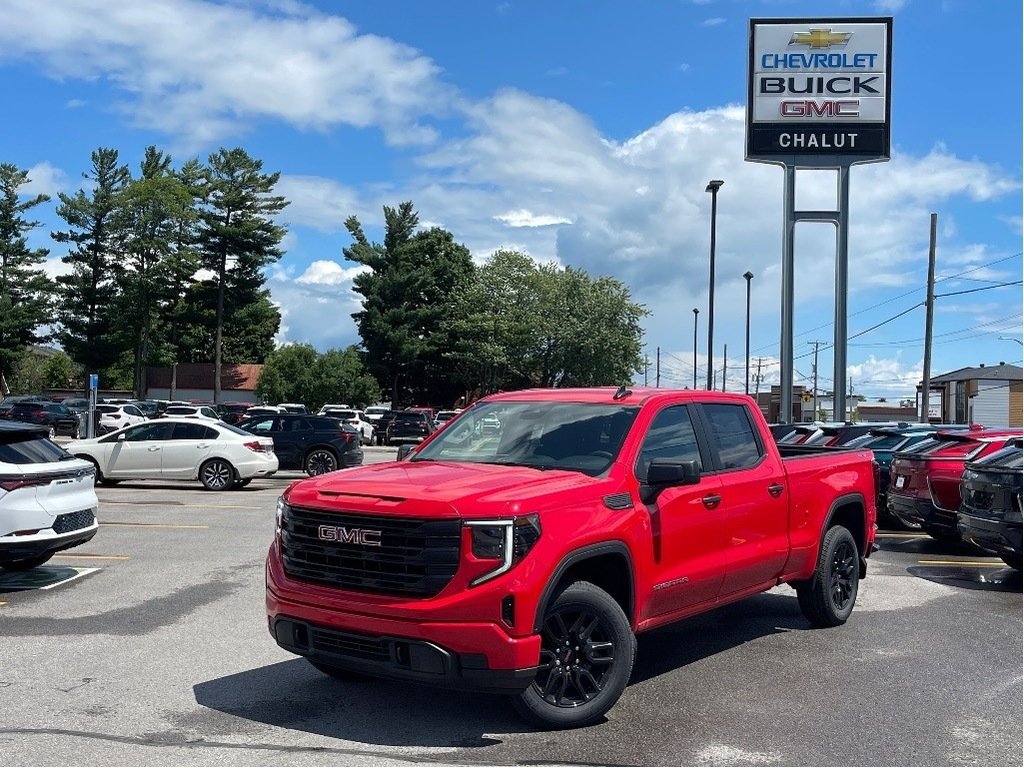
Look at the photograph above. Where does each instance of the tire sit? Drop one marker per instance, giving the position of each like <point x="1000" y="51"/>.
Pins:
<point x="96" y="468"/>
<point x="28" y="563"/>
<point x="243" y="483"/>
<point x="586" y="658"/>
<point x="217" y="475"/>
<point x="337" y="672"/>
<point x="827" y="599"/>
<point x="1014" y="561"/>
<point x="320" y="461"/>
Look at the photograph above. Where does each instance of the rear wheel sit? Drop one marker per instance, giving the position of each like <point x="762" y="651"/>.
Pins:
<point x="217" y="475"/>
<point x="827" y="599"/>
<point x="586" y="657"/>
<point x="319" y="461"/>
<point x="28" y="563"/>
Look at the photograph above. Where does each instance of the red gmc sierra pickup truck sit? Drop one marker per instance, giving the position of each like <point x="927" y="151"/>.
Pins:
<point x="522" y="547"/>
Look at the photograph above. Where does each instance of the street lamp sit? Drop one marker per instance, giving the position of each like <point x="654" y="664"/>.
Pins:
<point x="695" y="313"/>
<point x="712" y="187"/>
<point x="748" y="276"/>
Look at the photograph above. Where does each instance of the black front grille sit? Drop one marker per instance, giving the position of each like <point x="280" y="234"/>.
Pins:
<point x="349" y="644"/>
<point x="415" y="557"/>
<point x="73" y="521"/>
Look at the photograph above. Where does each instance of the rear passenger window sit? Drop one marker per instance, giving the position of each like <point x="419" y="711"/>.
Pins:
<point x="670" y="436"/>
<point x="193" y="432"/>
<point x="738" y="445"/>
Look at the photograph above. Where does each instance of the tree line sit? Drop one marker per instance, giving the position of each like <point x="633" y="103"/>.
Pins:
<point x="167" y="265"/>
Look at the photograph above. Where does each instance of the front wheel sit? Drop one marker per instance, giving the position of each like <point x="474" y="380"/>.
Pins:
<point x="586" y="657"/>
<point x="217" y="475"/>
<point x="827" y="598"/>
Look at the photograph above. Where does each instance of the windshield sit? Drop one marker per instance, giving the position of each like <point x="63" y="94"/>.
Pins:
<point x="583" y="437"/>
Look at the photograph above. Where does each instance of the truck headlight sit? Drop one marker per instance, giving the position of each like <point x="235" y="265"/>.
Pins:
<point x="507" y="541"/>
<point x="280" y="517"/>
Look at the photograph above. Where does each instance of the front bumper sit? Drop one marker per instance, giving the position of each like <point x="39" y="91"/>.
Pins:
<point x="396" y="658"/>
<point x="994" y="535"/>
<point x="915" y="512"/>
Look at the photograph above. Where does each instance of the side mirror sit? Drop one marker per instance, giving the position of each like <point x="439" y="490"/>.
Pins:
<point x="666" y="473"/>
<point x="404" y="450"/>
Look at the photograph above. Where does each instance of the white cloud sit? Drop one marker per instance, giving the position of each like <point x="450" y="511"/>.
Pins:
<point x="328" y="273"/>
<point x="714" y="22"/>
<point x="890" y="6"/>
<point x="524" y="218"/>
<point x="74" y="103"/>
<point x="288" y="62"/>
<point x="319" y="203"/>
<point x="45" y="179"/>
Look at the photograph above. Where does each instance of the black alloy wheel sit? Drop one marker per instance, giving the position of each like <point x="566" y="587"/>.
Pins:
<point x="843" y="575"/>
<point x="217" y="475"/>
<point x="586" y="657"/>
<point x="828" y="597"/>
<point x="320" y="461"/>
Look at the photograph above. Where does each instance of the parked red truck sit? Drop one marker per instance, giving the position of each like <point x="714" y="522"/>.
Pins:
<point x="524" y="559"/>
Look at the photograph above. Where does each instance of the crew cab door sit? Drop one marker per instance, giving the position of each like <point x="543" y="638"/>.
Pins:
<point x="755" y="497"/>
<point x="688" y="536"/>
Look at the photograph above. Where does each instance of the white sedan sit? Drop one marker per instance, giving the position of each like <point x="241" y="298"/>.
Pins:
<point x="219" y="455"/>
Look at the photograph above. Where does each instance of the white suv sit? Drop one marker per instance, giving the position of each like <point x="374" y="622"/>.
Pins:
<point x="47" y="499"/>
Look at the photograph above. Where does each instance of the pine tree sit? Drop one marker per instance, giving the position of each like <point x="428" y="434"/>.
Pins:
<point x="87" y="294"/>
<point x="25" y="291"/>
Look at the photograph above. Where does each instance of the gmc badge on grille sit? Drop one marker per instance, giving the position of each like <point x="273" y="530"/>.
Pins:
<point x="362" y="536"/>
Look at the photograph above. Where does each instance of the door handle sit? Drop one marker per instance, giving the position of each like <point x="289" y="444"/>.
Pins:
<point x="711" y="501"/>
<point x="776" y="489"/>
<point x="202" y="445"/>
<point x="153" y="448"/>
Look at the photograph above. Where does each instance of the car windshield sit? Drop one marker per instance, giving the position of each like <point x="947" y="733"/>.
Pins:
<point x="1008" y="458"/>
<point x="179" y="410"/>
<point x="582" y="437"/>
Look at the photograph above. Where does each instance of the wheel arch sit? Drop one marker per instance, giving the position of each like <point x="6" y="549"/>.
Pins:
<point x="849" y="511"/>
<point x="607" y="565"/>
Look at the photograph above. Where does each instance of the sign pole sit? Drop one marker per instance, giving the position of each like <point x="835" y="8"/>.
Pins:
<point x="786" y="329"/>
<point x="842" y="286"/>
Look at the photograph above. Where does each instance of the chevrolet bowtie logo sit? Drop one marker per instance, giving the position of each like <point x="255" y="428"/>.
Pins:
<point x="820" y="38"/>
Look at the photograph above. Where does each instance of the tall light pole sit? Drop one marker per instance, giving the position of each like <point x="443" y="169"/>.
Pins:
<point x="713" y="186"/>
<point x="695" y="313"/>
<point x="748" y="276"/>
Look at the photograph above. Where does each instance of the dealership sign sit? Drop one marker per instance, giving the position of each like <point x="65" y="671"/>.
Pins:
<point x="818" y="93"/>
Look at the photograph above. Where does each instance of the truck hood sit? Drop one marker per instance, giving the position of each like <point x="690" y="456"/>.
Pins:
<point x="439" y="488"/>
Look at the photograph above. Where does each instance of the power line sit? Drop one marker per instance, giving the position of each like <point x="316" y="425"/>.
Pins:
<point x="983" y="288"/>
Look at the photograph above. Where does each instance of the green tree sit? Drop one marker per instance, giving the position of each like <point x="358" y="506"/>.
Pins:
<point x="61" y="372"/>
<point x="520" y="324"/>
<point x="87" y="295"/>
<point x="296" y="373"/>
<point x="237" y="235"/>
<point x="339" y="376"/>
<point x="25" y="291"/>
<point x="155" y="208"/>
<point x="408" y="292"/>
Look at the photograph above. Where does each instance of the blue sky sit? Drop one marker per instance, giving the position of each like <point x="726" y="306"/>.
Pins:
<point x="581" y="132"/>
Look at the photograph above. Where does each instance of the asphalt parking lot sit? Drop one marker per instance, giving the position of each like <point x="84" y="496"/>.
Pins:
<point x="152" y="649"/>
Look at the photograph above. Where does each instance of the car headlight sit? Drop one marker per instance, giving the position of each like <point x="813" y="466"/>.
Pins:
<point x="506" y="541"/>
<point x="280" y="516"/>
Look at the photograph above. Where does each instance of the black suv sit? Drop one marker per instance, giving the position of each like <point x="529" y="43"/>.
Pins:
<point x="990" y="503"/>
<point x="57" y="417"/>
<point x="409" y="427"/>
<point x="314" y="444"/>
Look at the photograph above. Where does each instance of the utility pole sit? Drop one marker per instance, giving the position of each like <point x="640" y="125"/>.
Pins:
<point x="657" y="370"/>
<point x="757" y="379"/>
<point x="814" y="370"/>
<point x="647" y="364"/>
<point x="929" y="313"/>
<point x="725" y="363"/>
